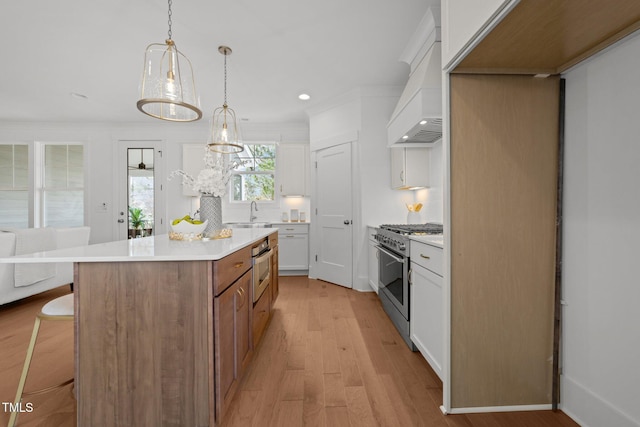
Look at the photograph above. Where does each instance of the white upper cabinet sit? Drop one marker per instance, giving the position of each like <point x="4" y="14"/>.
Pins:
<point x="464" y="20"/>
<point x="409" y="168"/>
<point x="293" y="170"/>
<point x="192" y="163"/>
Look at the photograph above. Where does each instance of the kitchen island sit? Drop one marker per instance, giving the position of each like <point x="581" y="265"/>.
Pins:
<point x="163" y="329"/>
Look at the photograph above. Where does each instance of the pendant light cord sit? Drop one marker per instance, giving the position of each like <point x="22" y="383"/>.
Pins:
<point x="169" y="22"/>
<point x="225" y="78"/>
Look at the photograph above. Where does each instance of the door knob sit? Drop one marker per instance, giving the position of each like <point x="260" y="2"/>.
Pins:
<point x="347" y="221"/>
<point x="121" y="220"/>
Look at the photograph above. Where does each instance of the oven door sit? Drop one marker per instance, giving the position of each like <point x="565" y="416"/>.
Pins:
<point x="261" y="273"/>
<point x="393" y="279"/>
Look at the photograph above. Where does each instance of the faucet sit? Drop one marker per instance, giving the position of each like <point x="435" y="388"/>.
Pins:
<point x="251" y="215"/>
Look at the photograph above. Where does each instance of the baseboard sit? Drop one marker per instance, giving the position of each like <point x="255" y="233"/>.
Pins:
<point x="511" y="408"/>
<point x="590" y="410"/>
<point x="293" y="272"/>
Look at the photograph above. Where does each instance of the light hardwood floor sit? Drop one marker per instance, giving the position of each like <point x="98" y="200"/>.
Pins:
<point x="330" y="357"/>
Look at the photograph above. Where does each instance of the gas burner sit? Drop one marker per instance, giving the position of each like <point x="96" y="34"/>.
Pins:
<point x="414" y="229"/>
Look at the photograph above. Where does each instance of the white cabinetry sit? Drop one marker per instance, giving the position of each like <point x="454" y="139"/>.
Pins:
<point x="293" y="242"/>
<point x="192" y="163"/>
<point x="293" y="169"/>
<point x="409" y="168"/>
<point x="373" y="258"/>
<point x="426" y="305"/>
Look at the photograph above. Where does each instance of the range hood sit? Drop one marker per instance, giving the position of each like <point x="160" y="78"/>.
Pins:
<point x="417" y="119"/>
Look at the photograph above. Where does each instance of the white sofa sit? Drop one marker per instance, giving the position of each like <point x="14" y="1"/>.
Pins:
<point x="22" y="280"/>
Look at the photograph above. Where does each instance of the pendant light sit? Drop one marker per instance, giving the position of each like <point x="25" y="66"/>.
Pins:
<point x="167" y="89"/>
<point x="224" y="130"/>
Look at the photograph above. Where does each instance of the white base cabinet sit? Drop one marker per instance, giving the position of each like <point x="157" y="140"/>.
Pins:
<point x="426" y="305"/>
<point x="293" y="242"/>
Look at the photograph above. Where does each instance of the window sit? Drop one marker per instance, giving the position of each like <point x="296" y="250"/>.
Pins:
<point x="14" y="185"/>
<point x="62" y="185"/>
<point x="255" y="178"/>
<point x="43" y="188"/>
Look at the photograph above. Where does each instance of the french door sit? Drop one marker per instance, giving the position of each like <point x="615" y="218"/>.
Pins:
<point x="140" y="202"/>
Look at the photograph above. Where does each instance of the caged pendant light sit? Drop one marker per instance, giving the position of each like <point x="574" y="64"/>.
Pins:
<point x="167" y="89"/>
<point x="224" y="130"/>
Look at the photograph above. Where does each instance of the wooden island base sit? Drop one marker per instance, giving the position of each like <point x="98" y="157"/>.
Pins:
<point x="164" y="343"/>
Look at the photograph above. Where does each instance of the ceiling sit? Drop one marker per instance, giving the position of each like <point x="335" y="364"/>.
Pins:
<point x="281" y="48"/>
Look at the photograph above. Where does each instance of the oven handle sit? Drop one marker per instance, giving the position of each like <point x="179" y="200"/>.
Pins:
<point x="400" y="260"/>
<point x="262" y="256"/>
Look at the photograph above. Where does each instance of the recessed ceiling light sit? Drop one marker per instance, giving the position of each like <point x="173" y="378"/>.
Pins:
<point x="423" y="122"/>
<point x="304" y="97"/>
<point x="405" y="137"/>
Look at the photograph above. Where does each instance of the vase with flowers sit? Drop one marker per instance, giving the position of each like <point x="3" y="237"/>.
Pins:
<point x="212" y="183"/>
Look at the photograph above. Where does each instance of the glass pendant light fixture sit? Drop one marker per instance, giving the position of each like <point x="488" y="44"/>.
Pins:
<point x="224" y="130"/>
<point x="167" y="89"/>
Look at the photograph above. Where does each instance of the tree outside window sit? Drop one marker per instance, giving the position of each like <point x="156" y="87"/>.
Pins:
<point x="255" y="178"/>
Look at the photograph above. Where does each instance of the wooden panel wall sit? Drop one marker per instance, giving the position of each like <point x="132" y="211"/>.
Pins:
<point x="144" y="344"/>
<point x="504" y="138"/>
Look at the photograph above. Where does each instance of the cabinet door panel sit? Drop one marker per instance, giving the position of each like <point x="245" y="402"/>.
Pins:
<point x="426" y="325"/>
<point x="242" y="305"/>
<point x="225" y="342"/>
<point x="294" y="251"/>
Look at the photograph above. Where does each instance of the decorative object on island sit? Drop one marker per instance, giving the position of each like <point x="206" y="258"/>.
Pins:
<point x="211" y="183"/>
<point x="168" y="89"/>
<point x="224" y="130"/>
<point x="211" y="212"/>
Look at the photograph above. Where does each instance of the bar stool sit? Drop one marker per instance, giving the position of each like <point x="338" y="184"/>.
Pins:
<point x="60" y="308"/>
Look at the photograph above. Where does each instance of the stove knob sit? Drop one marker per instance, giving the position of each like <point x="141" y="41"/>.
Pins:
<point x="402" y="246"/>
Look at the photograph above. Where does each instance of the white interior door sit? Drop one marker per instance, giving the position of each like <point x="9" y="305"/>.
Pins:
<point x="139" y="186"/>
<point x="334" y="215"/>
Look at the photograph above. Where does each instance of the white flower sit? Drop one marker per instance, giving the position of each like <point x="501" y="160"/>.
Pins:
<point x="212" y="180"/>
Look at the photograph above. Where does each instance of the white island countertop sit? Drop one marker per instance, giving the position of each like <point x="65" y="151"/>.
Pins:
<point x="154" y="248"/>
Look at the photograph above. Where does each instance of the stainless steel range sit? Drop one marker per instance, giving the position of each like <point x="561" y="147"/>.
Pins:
<point x="393" y="270"/>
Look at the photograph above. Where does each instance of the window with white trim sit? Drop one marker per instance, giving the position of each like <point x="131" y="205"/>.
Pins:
<point x="61" y="185"/>
<point x="255" y="178"/>
<point x="44" y="188"/>
<point x="14" y="185"/>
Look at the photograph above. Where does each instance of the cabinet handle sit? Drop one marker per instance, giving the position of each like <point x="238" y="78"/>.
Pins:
<point x="411" y="276"/>
<point x="290" y="236"/>
<point x="281" y="188"/>
<point x="241" y="294"/>
<point x="238" y="264"/>
<point x="402" y="176"/>
<point x="424" y="256"/>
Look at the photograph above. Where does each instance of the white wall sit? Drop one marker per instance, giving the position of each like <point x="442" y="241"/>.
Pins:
<point x="363" y="116"/>
<point x="101" y="139"/>
<point x="601" y="327"/>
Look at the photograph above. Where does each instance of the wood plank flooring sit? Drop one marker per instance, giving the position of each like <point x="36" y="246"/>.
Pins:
<point x="329" y="357"/>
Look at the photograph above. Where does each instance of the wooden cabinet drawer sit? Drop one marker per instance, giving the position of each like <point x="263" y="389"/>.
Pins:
<point x="229" y="268"/>
<point x="429" y="257"/>
<point x="261" y="312"/>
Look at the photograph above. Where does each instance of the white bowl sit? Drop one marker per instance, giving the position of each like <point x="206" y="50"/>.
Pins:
<point x="185" y="227"/>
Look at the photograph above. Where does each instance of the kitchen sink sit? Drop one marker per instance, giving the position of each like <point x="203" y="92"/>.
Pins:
<point x="248" y="224"/>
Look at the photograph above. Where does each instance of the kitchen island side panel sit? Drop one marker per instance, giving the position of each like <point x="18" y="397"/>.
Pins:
<point x="144" y="343"/>
<point x="504" y="144"/>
